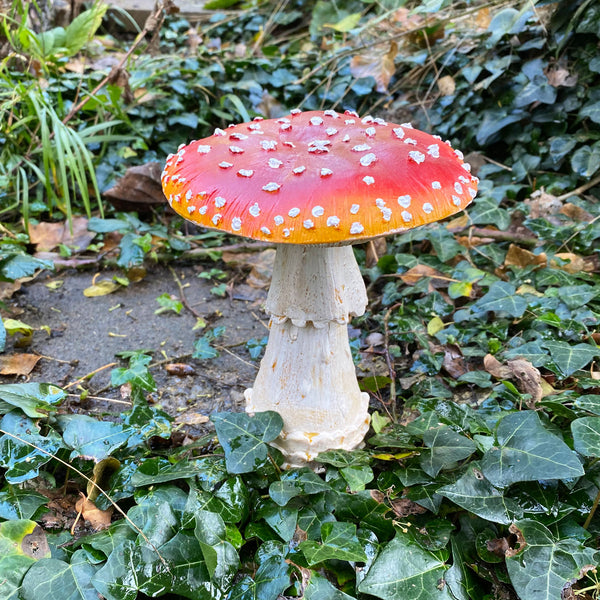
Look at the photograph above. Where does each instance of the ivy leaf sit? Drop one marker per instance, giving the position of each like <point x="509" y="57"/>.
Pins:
<point x="294" y="483"/>
<point x="50" y="578"/>
<point x="36" y="400"/>
<point x="269" y="582"/>
<point x="405" y="570"/>
<point x="544" y="565"/>
<point x="569" y="359"/>
<point x="475" y="493"/>
<point x="526" y="451"/>
<point x="502" y="297"/>
<point x="485" y="211"/>
<point x="445" y="449"/>
<point x="586" y="436"/>
<point x="244" y="438"/>
<point x="339" y="542"/>
<point x="17" y="503"/>
<point x="586" y="160"/>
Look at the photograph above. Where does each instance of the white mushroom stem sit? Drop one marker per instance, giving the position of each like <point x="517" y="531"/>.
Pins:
<point x="307" y="374"/>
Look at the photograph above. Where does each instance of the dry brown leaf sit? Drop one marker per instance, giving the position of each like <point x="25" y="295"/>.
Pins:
<point x="527" y="378"/>
<point x="559" y="75"/>
<point x="576" y="213"/>
<point x="403" y="507"/>
<point x="191" y="418"/>
<point x="179" y="369"/>
<point x="413" y="275"/>
<point x="18" y="364"/>
<point x="543" y="205"/>
<point x="377" y="63"/>
<point x="139" y="188"/>
<point x="374" y="249"/>
<point x="47" y="236"/>
<point x="262" y="268"/>
<point x="454" y="362"/>
<point x="98" y="519"/>
<point x="568" y="262"/>
<point x="7" y="288"/>
<point x="519" y="257"/>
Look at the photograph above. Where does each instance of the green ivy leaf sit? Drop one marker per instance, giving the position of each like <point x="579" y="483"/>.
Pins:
<point x="586" y="160"/>
<point x="502" y="297"/>
<point x="50" y="578"/>
<point x="36" y="400"/>
<point x="591" y="110"/>
<point x="269" y="582"/>
<point x="17" y="503"/>
<point x="545" y="564"/>
<point x="445" y="448"/>
<point x="569" y="359"/>
<point x="244" y="438"/>
<point x="526" y="451"/>
<point x="339" y="542"/>
<point x="405" y="570"/>
<point x="586" y="436"/>
<point x="294" y="483"/>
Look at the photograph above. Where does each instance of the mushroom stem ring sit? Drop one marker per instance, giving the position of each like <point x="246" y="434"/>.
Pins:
<point x="307" y="374"/>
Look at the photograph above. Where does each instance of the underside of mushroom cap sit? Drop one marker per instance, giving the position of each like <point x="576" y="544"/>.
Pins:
<point x="317" y="177"/>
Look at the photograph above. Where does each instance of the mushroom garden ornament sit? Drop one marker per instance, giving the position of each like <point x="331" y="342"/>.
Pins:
<point x="313" y="183"/>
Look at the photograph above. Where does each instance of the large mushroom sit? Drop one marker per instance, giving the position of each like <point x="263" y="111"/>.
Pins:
<point x="313" y="183"/>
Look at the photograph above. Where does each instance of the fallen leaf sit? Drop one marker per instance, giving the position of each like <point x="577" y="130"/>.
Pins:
<point x="262" y="268"/>
<point x="576" y="213"/>
<point x="519" y="257"/>
<point x="103" y="470"/>
<point x="413" y="275"/>
<point x="542" y="205"/>
<point x="568" y="262"/>
<point x="179" y="369"/>
<point x="558" y="75"/>
<point x="527" y="378"/>
<point x="140" y="188"/>
<point x="191" y="418"/>
<point x="47" y="236"/>
<point x="18" y="364"/>
<point x="98" y="519"/>
<point x="453" y="362"/>
<point x="374" y="250"/>
<point x="403" y="507"/>
<point x="8" y="288"/>
<point x="446" y="85"/>
<point x="101" y="288"/>
<point x="377" y="63"/>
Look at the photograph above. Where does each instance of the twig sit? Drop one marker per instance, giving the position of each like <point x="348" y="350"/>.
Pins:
<point x="182" y="295"/>
<point x="103" y="398"/>
<point x="113" y="503"/>
<point x="592" y="511"/>
<point x="580" y="189"/>
<point x="503" y="236"/>
<point x="77" y="381"/>
<point x="390" y="363"/>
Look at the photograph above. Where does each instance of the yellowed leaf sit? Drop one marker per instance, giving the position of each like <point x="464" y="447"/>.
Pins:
<point x="101" y="288"/>
<point x="519" y="257"/>
<point x="434" y="326"/>
<point x="98" y="519"/>
<point x="377" y="63"/>
<point x="568" y="262"/>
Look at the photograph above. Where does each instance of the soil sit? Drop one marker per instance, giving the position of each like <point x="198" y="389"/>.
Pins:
<point x="85" y="334"/>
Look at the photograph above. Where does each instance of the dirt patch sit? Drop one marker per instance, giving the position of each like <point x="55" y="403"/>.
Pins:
<point x="86" y="333"/>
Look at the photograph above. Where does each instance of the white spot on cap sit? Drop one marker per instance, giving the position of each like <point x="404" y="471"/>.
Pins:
<point x="356" y="228"/>
<point x="180" y="148"/>
<point x="236" y="150"/>
<point x="379" y="202"/>
<point x="436" y="185"/>
<point x="330" y="113"/>
<point x="433" y="150"/>
<point x="285" y="127"/>
<point x="367" y="159"/>
<point x="459" y="154"/>
<point x="203" y="149"/>
<point x="219" y="132"/>
<point x="379" y="121"/>
<point x="236" y="223"/>
<point x="254" y="126"/>
<point x="404" y="201"/>
<point x="458" y="188"/>
<point x="387" y="213"/>
<point x="220" y="201"/>
<point x="472" y="192"/>
<point x="188" y="195"/>
<point x="271" y="187"/>
<point x="346" y="138"/>
<point x="318" y="211"/>
<point x="370" y="131"/>
<point x="361" y="148"/>
<point x="349" y="121"/>
<point x="283" y="120"/>
<point x="354" y="208"/>
<point x="331" y="131"/>
<point x="295" y="111"/>
<point x="294" y="212"/>
<point x="368" y="180"/>
<point x="456" y="200"/>
<point x="319" y="146"/>
<point x="290" y="144"/>
<point x="333" y="221"/>
<point x="191" y="209"/>
<point x="246" y="172"/>
<point x="299" y="170"/>
<point x="265" y="230"/>
<point x="407" y="125"/>
<point x="326" y="172"/>
<point x="406" y="216"/>
<point x="398" y="132"/>
<point x="416" y="156"/>
<point x="366" y="120"/>
<point x="177" y="198"/>
<point x="410" y="141"/>
<point x="268" y="145"/>
<point x="464" y="179"/>
<point x="238" y="136"/>
<point x="278" y="220"/>
<point x="466" y="167"/>
<point x="225" y="165"/>
<point x="427" y="208"/>
<point x="286" y="232"/>
<point x="216" y="218"/>
<point x="308" y="224"/>
<point x="202" y="210"/>
<point x="316" y="121"/>
<point x="254" y="210"/>
<point x="274" y="163"/>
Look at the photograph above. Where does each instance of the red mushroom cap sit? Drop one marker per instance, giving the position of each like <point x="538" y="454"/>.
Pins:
<point x="317" y="177"/>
